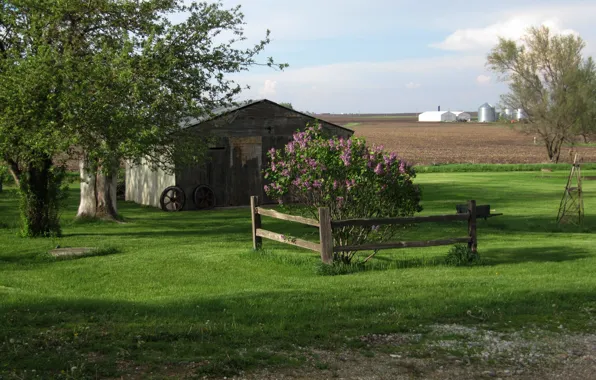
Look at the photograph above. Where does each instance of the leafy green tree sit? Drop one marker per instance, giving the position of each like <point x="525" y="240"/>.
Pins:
<point x="545" y="74"/>
<point x="111" y="81"/>
<point x="586" y="125"/>
<point x="287" y="105"/>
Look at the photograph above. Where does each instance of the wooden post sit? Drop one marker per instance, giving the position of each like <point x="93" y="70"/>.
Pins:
<point x="257" y="241"/>
<point x="326" y="235"/>
<point x="473" y="242"/>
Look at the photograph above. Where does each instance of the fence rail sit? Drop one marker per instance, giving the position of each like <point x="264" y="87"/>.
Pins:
<point x="405" y="220"/>
<point x="326" y="225"/>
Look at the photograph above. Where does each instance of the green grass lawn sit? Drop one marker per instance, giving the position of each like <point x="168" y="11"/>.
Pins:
<point x="187" y="288"/>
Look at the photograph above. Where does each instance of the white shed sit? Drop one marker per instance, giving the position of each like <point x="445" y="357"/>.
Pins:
<point x="462" y="116"/>
<point x="437" y="116"/>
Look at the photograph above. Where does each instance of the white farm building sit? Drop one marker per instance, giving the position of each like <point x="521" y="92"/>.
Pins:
<point x="462" y="116"/>
<point x="437" y="116"/>
<point x="444" y="116"/>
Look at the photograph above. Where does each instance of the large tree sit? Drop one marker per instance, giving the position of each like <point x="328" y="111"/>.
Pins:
<point x="586" y="125"/>
<point x="545" y="73"/>
<point x="123" y="79"/>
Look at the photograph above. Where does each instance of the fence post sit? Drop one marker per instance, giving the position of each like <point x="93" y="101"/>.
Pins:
<point x="473" y="242"/>
<point x="326" y="235"/>
<point x="257" y="241"/>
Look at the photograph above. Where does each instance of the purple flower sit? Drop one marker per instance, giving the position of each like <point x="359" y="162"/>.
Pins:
<point x="316" y="184"/>
<point x="390" y="159"/>
<point x="273" y="166"/>
<point x="285" y="173"/>
<point x="402" y="167"/>
<point x="266" y="188"/>
<point x="379" y="169"/>
<point x="350" y="183"/>
<point x="312" y="162"/>
<point x="272" y="151"/>
<point x="346" y="157"/>
<point x="335" y="184"/>
<point x="290" y="147"/>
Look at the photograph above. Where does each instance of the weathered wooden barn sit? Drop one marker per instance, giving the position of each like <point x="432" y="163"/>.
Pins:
<point x="234" y="170"/>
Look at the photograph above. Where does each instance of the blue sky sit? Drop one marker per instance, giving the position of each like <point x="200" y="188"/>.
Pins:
<point x="393" y="56"/>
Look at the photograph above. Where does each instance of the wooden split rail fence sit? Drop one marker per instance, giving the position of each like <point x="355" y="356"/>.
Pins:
<point x="325" y="225"/>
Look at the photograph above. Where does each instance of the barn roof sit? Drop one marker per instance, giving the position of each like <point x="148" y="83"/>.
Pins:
<point x="222" y="111"/>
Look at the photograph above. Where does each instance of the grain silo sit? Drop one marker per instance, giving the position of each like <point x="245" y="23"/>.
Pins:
<point x="507" y="113"/>
<point x="520" y="114"/>
<point x="487" y="113"/>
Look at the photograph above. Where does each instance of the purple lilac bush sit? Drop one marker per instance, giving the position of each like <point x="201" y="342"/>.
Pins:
<point x="350" y="178"/>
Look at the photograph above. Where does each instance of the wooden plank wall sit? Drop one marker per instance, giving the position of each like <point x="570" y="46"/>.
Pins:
<point x="235" y="172"/>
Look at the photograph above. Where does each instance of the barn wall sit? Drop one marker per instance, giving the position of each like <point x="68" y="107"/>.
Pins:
<point x="212" y="173"/>
<point x="144" y="186"/>
<point x="264" y="119"/>
<point x="235" y="169"/>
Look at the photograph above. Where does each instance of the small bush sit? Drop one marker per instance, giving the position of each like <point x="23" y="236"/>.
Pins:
<point x="462" y="255"/>
<point x="349" y="178"/>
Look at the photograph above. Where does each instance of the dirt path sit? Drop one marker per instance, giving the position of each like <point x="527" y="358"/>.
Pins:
<point x="452" y="352"/>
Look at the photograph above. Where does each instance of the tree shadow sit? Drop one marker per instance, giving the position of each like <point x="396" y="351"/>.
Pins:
<point x="232" y="332"/>
<point x="544" y="254"/>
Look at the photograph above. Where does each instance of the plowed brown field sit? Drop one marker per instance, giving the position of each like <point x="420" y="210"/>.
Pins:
<point x="432" y="143"/>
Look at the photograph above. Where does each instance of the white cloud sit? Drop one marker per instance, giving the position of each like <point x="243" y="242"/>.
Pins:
<point x="483" y="79"/>
<point x="484" y="38"/>
<point x="268" y="89"/>
<point x="347" y="87"/>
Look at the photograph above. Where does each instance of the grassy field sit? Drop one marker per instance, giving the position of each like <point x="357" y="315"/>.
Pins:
<point x="185" y="292"/>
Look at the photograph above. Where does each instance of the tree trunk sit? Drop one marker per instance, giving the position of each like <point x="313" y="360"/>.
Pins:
<point x="106" y="195"/>
<point x="14" y="170"/>
<point x="40" y="205"/>
<point x="98" y="192"/>
<point x="88" y="202"/>
<point x="553" y="147"/>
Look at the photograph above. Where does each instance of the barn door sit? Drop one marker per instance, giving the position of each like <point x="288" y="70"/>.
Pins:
<point x="245" y="170"/>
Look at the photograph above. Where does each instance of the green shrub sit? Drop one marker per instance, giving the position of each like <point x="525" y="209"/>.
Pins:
<point x="462" y="255"/>
<point x="348" y="177"/>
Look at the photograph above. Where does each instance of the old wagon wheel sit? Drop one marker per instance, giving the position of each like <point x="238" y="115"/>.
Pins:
<point x="172" y="199"/>
<point x="204" y="197"/>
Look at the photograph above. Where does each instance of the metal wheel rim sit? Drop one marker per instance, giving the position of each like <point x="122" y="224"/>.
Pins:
<point x="204" y="197"/>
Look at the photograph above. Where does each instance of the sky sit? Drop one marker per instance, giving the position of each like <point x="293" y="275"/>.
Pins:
<point x="391" y="56"/>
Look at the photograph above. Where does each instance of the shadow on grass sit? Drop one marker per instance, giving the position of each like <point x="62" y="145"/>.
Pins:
<point x="227" y="333"/>
<point x="44" y="258"/>
<point x="394" y="261"/>
<point x="544" y="254"/>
